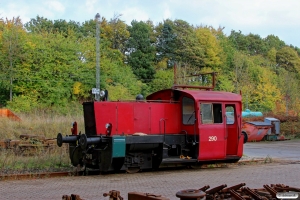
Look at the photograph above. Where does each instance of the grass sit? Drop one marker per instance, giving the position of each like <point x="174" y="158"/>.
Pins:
<point x="11" y="163"/>
<point x="268" y="159"/>
<point x="39" y="124"/>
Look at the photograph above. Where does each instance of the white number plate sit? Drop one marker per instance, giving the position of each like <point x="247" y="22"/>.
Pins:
<point x="212" y="138"/>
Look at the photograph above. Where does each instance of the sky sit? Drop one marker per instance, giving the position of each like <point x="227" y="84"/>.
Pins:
<point x="262" y="17"/>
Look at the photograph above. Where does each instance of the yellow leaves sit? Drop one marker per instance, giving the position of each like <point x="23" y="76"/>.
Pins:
<point x="210" y="45"/>
<point x="272" y="55"/>
<point x="162" y="64"/>
<point x="76" y="87"/>
<point x="266" y="92"/>
<point x="30" y="45"/>
<point x="118" y="92"/>
<point x="109" y="80"/>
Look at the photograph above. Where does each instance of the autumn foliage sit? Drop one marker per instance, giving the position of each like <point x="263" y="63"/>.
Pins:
<point x="50" y="65"/>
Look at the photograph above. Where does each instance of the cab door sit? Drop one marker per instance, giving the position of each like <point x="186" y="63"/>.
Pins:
<point x="212" y="144"/>
<point x="232" y="129"/>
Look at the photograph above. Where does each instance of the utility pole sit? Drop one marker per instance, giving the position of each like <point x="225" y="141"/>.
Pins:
<point x="97" y="19"/>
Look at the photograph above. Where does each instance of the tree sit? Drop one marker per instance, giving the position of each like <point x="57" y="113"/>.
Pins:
<point x="163" y="79"/>
<point x="46" y="75"/>
<point x="39" y="25"/>
<point x="141" y="52"/>
<point x="188" y="50"/>
<point x="266" y="94"/>
<point x="12" y="38"/>
<point x="210" y="46"/>
<point x="251" y="44"/>
<point x="239" y="41"/>
<point x="288" y="59"/>
<point x="116" y="32"/>
<point x="115" y="75"/>
<point x="166" y="43"/>
<point x="273" y="41"/>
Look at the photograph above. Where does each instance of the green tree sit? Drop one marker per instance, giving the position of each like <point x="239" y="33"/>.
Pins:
<point x="251" y="44"/>
<point x="288" y="83"/>
<point x="227" y="74"/>
<point x="47" y="75"/>
<point x="166" y="43"/>
<point x="273" y="41"/>
<point x="12" y="39"/>
<point x="116" y="32"/>
<point x="115" y="76"/>
<point x="39" y="25"/>
<point x="239" y="41"/>
<point x="141" y="52"/>
<point x="256" y="45"/>
<point x="188" y="49"/>
<point x="288" y="59"/>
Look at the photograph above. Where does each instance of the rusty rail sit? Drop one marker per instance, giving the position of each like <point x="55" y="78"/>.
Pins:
<point x="35" y="175"/>
<point x="28" y="144"/>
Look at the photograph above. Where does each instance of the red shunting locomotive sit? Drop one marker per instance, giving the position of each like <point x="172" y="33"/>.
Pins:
<point x="187" y="125"/>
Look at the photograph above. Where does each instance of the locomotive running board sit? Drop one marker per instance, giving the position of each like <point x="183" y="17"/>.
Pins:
<point x="178" y="160"/>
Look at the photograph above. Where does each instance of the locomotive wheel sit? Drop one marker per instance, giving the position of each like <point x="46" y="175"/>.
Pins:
<point x="75" y="156"/>
<point x="132" y="170"/>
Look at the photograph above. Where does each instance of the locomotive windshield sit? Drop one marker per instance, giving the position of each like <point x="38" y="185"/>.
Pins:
<point x="188" y="111"/>
<point x="211" y="113"/>
<point x="230" y="114"/>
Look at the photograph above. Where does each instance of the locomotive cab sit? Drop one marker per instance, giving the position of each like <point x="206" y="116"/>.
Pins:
<point x="211" y="123"/>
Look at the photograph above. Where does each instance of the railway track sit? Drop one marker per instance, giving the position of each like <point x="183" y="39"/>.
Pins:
<point x="35" y="175"/>
<point x="40" y="175"/>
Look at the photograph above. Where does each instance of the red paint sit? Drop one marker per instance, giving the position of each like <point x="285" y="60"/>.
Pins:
<point x="136" y="117"/>
<point x="74" y="129"/>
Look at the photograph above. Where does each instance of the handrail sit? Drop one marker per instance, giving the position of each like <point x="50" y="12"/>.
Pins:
<point x="164" y="121"/>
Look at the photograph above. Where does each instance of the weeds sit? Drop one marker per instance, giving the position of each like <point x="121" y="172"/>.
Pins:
<point x="39" y="124"/>
<point x="268" y="159"/>
<point x="42" y="161"/>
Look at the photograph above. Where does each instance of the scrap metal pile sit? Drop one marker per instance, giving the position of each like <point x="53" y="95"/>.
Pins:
<point x="222" y="192"/>
<point x="28" y="144"/>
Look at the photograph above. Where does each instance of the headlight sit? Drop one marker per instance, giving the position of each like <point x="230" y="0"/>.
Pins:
<point x="102" y="93"/>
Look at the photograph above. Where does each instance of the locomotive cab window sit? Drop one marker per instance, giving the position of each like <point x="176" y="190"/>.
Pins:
<point x="211" y="113"/>
<point x="230" y="113"/>
<point x="188" y="111"/>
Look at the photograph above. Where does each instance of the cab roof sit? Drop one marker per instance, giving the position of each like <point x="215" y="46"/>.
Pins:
<point x="198" y="95"/>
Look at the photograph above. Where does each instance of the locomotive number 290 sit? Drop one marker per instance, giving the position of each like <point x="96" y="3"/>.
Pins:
<point x="212" y="138"/>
